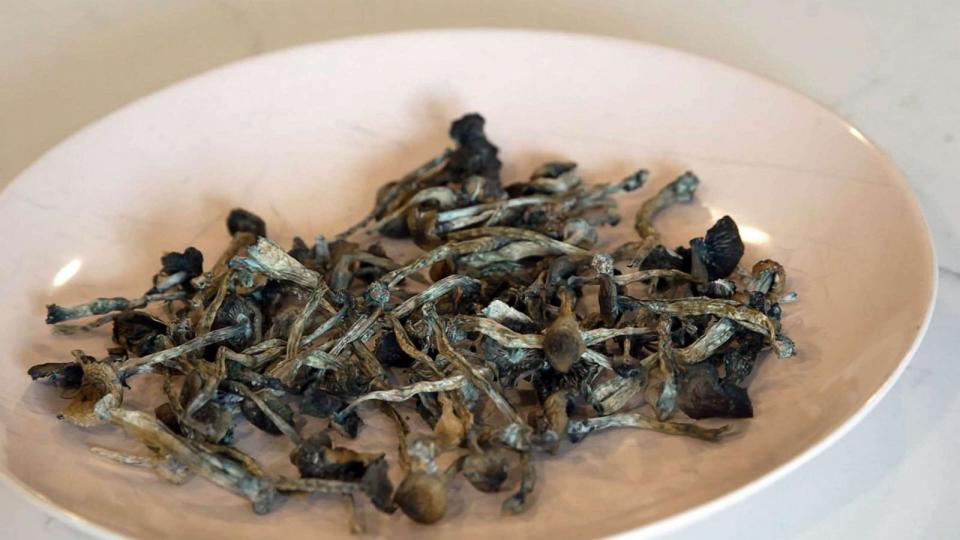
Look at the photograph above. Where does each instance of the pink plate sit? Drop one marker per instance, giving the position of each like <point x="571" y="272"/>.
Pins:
<point x="305" y="136"/>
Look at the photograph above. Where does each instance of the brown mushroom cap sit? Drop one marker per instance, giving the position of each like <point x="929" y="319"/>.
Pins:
<point x="422" y="497"/>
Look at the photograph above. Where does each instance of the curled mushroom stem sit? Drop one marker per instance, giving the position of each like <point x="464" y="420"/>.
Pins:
<point x="101" y="306"/>
<point x="439" y="289"/>
<point x="223" y="472"/>
<point x="472" y="373"/>
<point x="580" y="428"/>
<point x="679" y="191"/>
<point x="210" y="313"/>
<point x="520" y="501"/>
<point x="164" y="466"/>
<point x="399" y="191"/>
<point x="142" y="364"/>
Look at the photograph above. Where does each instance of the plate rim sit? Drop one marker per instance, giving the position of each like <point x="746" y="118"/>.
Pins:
<point x="659" y="527"/>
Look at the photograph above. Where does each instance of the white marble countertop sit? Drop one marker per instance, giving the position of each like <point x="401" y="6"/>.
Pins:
<point x="892" y="68"/>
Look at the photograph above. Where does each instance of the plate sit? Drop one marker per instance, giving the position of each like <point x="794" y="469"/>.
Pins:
<point x="304" y="136"/>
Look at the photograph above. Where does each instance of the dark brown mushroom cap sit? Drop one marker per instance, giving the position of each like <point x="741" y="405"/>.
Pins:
<point x="66" y="375"/>
<point x="723" y="248"/>
<point x="389" y="353"/>
<point x="190" y="261"/>
<point x="562" y="343"/>
<point x="241" y="220"/>
<point x="474" y="155"/>
<point x="422" y="497"/>
<point x="137" y="331"/>
<point x="703" y="395"/>
<point x="377" y="485"/>
<point x="487" y="471"/>
<point x="239" y="310"/>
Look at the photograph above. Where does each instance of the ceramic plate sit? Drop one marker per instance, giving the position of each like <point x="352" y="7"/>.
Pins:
<point x="304" y="137"/>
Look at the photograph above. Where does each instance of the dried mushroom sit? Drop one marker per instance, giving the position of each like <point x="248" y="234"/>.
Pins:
<point x="504" y="294"/>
